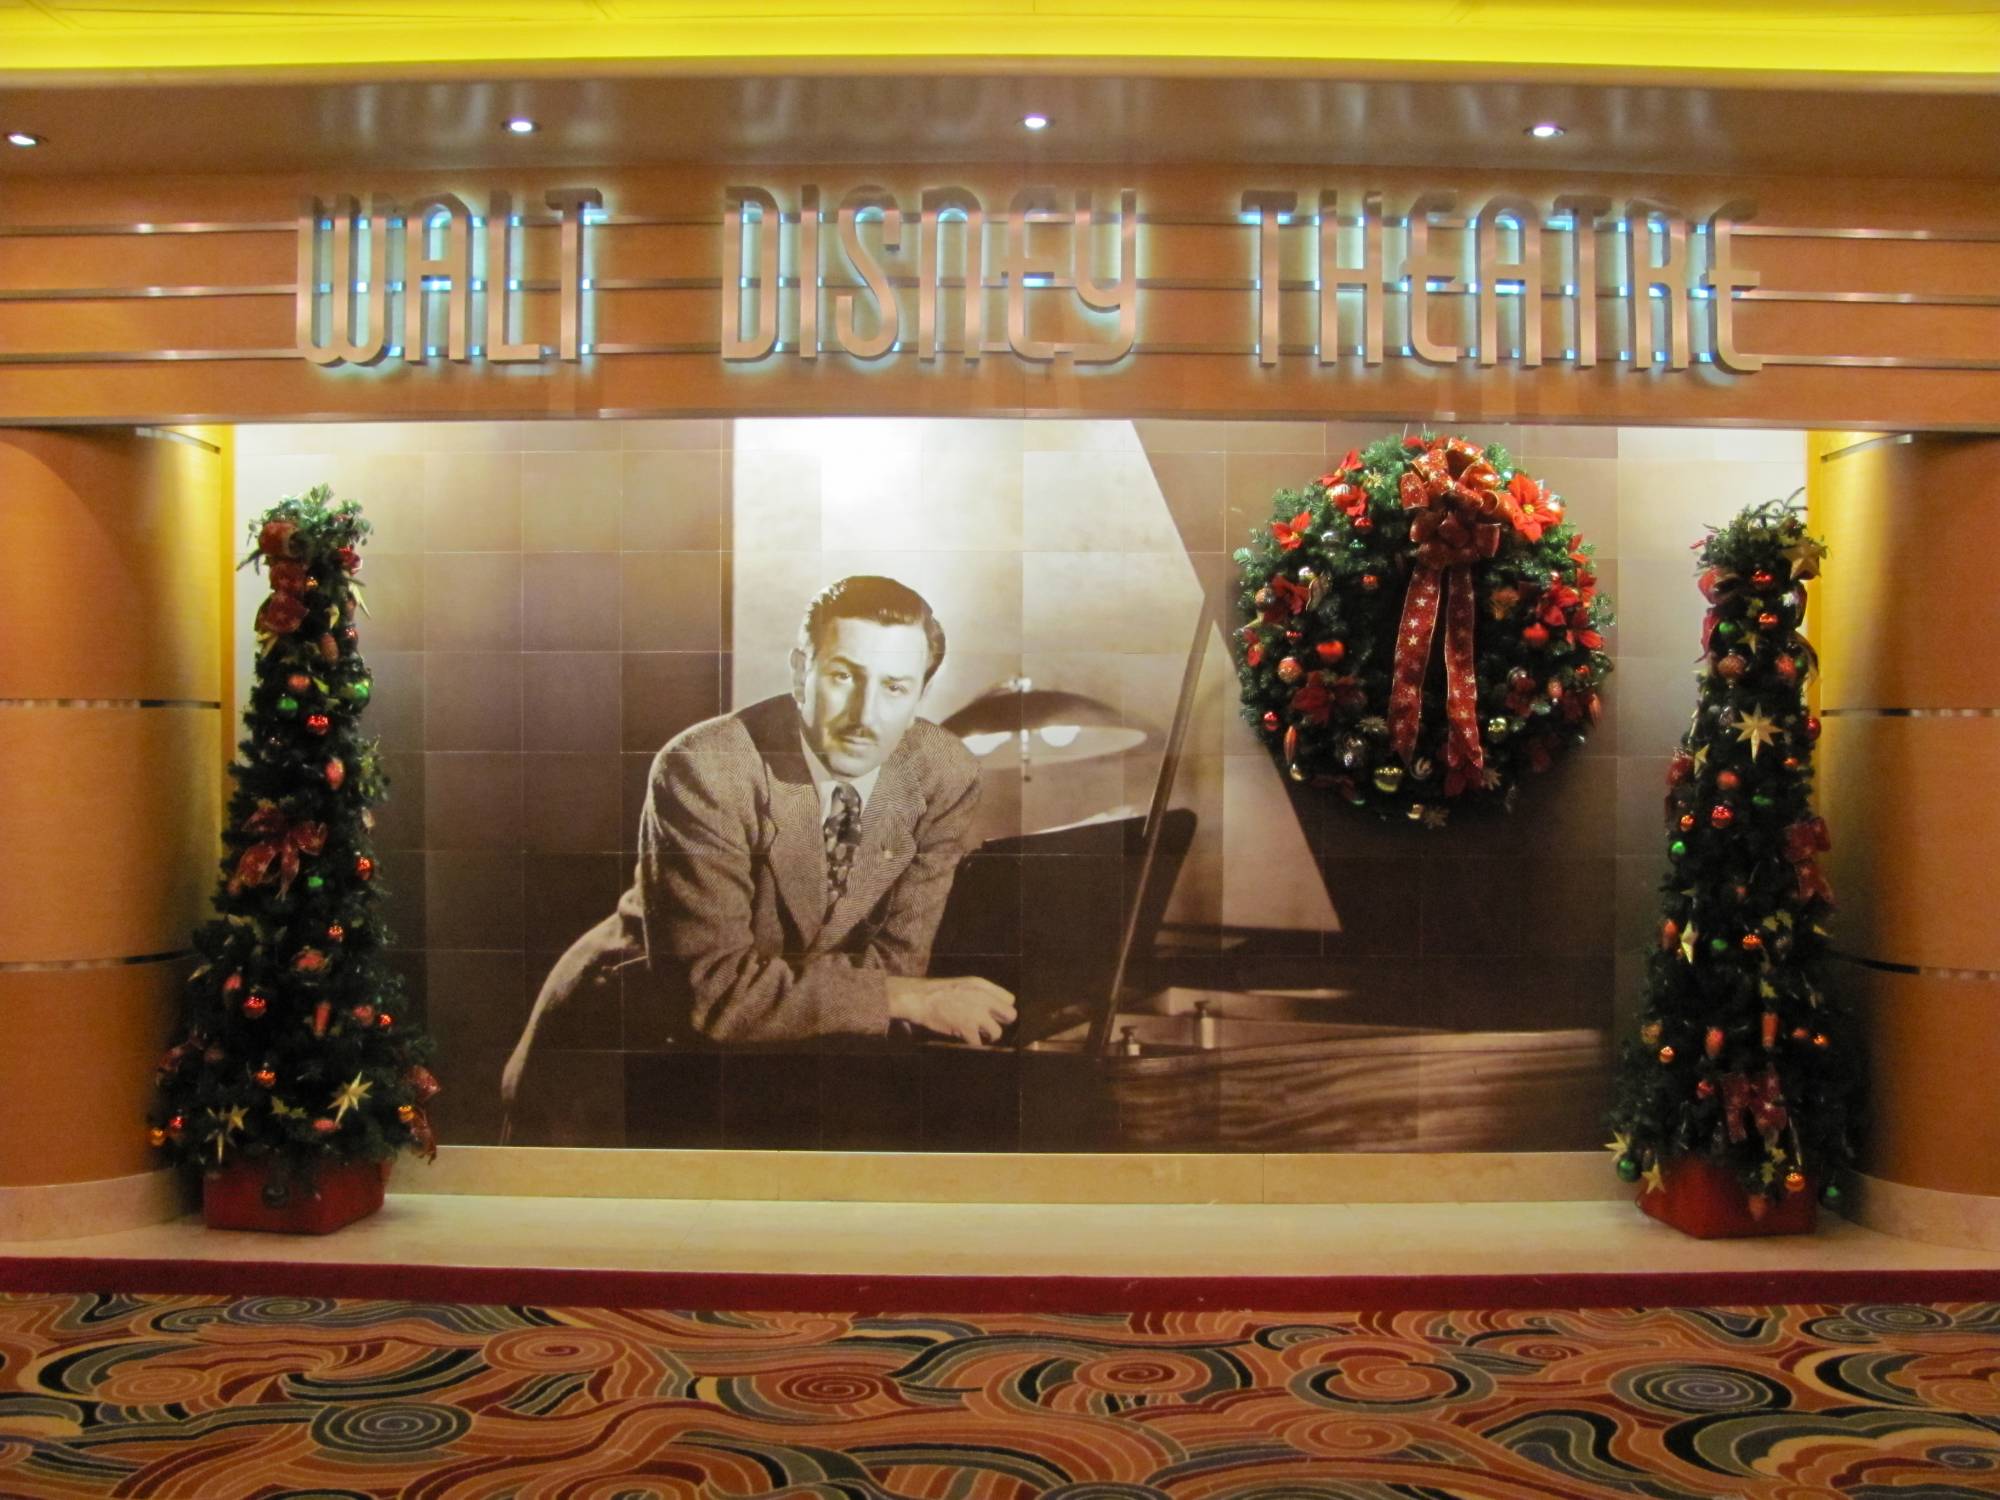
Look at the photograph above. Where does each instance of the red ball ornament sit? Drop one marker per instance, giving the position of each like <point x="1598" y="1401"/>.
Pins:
<point x="335" y="932"/>
<point x="1820" y="1040"/>
<point x="364" y="1014"/>
<point x="1712" y="1043"/>
<point x="1721" y="815"/>
<point x="1370" y="582"/>
<point x="1769" y="620"/>
<point x="1752" y="943"/>
<point x="1255" y="654"/>
<point x="1812" y="726"/>
<point x="1763" y="578"/>
<point x="1536" y="635"/>
<point x="336" y="773"/>
<point x="1666" y="1055"/>
<point x="1270" y="721"/>
<point x="329" y="649"/>
<point x="1792" y="763"/>
<point x="1670" y="934"/>
<point x="324" y="1126"/>
<point x="1787" y="669"/>
<point x="1687" y="822"/>
<point x="1331" y="652"/>
<point x="254" y="1007"/>
<point x="298" y="682"/>
<point x="1731" y="667"/>
<point x="1553" y="690"/>
<point x="364" y="867"/>
<point x="309" y="961"/>
<point x="1795" y="1181"/>
<point x="1364" y="522"/>
<point x="1728" y="781"/>
<point x="1800" y="1034"/>
<point x="1704" y="1090"/>
<point x="266" y="1078"/>
<point x="1678" y="768"/>
<point x="1295" y="636"/>
<point x="318" y="723"/>
<point x="177" y="1124"/>
<point x="232" y="984"/>
<point x="384" y="1021"/>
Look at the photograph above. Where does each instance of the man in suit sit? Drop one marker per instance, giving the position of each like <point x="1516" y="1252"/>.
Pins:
<point x="795" y="856"/>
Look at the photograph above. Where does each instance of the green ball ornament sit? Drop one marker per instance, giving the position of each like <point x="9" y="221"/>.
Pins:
<point x="1628" y="1169"/>
<point x="1718" y="945"/>
<point x="357" y="692"/>
<point x="1726" y="630"/>
<point x="315" y="882"/>
<point x="1831" y="1195"/>
<point x="1763" y="803"/>
<point x="1677" y="849"/>
<point x="288" y="704"/>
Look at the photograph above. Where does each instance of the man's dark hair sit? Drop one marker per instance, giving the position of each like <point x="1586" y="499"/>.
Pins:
<point x="868" y="597"/>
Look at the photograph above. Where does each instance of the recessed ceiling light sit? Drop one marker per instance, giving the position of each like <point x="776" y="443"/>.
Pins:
<point x="22" y="138"/>
<point x="521" y="125"/>
<point x="1547" y="130"/>
<point x="1034" y="122"/>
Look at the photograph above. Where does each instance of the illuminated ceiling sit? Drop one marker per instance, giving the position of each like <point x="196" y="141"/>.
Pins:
<point x="1938" y="43"/>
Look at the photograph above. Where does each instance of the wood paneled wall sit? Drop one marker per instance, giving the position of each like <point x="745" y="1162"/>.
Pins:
<point x="1907" y="624"/>
<point x="1876" y="307"/>
<point x="111" y="579"/>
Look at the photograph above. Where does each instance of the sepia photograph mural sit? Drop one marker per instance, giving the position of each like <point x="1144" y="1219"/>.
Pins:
<point x="881" y="784"/>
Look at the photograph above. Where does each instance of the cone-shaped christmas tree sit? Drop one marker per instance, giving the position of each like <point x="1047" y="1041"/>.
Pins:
<point x="296" y="1046"/>
<point x="1741" y="1056"/>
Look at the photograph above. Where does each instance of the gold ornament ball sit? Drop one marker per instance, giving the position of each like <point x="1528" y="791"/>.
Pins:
<point x="1795" y="1181"/>
<point x="1289" y="670"/>
<point x="406" y="1112"/>
<point x="1650" y="1033"/>
<point x="1388" y="778"/>
<point x="1666" y="1054"/>
<point x="156" y="1137"/>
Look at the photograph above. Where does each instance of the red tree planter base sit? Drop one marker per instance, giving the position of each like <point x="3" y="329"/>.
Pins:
<point x="1706" y="1201"/>
<point x="314" y="1200"/>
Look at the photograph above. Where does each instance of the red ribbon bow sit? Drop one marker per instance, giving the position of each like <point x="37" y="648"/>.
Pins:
<point x="1455" y="495"/>
<point x="283" y="844"/>
<point x="1803" y="840"/>
<point x="1759" y="1101"/>
<point x="423" y="1083"/>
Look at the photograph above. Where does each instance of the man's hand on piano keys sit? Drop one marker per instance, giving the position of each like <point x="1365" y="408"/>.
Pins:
<point x="968" y="1009"/>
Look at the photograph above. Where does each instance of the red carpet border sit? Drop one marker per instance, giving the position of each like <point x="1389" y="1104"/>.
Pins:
<point x="256" y="1398"/>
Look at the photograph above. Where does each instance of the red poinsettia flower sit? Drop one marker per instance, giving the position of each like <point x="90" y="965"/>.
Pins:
<point x="1530" y="507"/>
<point x="1253" y="646"/>
<point x="1311" y="701"/>
<point x="1291" y="599"/>
<point x="1557" y="602"/>
<point x="1348" y="694"/>
<point x="1291" y="533"/>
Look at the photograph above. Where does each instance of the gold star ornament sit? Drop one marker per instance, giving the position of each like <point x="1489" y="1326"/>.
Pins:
<point x="1655" y="1182"/>
<point x="1804" y="556"/>
<point x="1757" y="731"/>
<point x="1687" y="942"/>
<point x="349" y="1097"/>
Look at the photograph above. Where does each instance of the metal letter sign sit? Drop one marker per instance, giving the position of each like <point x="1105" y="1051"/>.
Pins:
<point x="1053" y="277"/>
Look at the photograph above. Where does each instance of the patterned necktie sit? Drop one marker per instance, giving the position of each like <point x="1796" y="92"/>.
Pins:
<point x="843" y="832"/>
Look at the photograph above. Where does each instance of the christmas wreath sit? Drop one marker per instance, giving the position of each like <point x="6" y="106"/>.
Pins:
<point x="1344" y="593"/>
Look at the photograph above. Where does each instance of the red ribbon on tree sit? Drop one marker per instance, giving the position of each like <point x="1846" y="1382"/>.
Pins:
<point x="423" y="1083"/>
<point x="1804" y="840"/>
<point x="1455" y="495"/>
<point x="283" y="844"/>
<point x="1761" y="1101"/>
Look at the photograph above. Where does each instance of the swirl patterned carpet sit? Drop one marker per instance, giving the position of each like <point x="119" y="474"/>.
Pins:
<point x="189" y="1396"/>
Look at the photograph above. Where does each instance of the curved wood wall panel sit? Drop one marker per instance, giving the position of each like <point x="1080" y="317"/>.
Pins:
<point x="1915" y="825"/>
<point x="1934" y="1051"/>
<point x="77" y="1072"/>
<point x="109" y="819"/>
<point x="108" y="586"/>
<point x="1908" y="626"/>
<point x="1911" y="523"/>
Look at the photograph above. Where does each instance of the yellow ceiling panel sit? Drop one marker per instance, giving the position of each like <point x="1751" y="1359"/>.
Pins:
<point x="1948" y="43"/>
